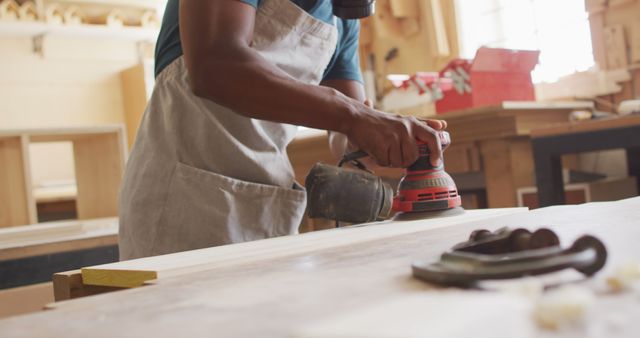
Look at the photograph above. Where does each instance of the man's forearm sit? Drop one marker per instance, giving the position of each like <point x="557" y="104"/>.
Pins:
<point x="273" y="95"/>
<point x="338" y="142"/>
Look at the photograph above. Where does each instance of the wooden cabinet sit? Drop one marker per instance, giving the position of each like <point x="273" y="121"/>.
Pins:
<point x="99" y="156"/>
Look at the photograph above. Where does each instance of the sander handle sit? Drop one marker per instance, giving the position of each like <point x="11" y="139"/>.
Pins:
<point x="445" y="139"/>
<point x="354" y="157"/>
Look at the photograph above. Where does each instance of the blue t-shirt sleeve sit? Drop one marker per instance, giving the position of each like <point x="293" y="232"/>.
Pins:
<point x="346" y="65"/>
<point x="253" y="3"/>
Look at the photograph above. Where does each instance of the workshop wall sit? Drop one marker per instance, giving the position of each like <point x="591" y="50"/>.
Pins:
<point x="424" y="33"/>
<point x="74" y="82"/>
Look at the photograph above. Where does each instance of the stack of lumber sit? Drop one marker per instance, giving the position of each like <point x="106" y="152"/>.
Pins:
<point x="615" y="32"/>
<point x="615" y="35"/>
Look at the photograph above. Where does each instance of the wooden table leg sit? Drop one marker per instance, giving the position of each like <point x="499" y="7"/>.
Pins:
<point x="17" y="206"/>
<point x="633" y="164"/>
<point x="508" y="165"/>
<point x="548" y="175"/>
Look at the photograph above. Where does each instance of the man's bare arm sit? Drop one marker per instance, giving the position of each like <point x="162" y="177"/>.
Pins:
<point x="216" y="39"/>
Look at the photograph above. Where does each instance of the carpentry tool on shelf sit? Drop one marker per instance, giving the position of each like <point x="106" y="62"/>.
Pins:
<point x="358" y="196"/>
<point x="506" y="254"/>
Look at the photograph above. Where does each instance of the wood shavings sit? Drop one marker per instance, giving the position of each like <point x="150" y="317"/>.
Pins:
<point x="625" y="277"/>
<point x="528" y="287"/>
<point x="565" y="307"/>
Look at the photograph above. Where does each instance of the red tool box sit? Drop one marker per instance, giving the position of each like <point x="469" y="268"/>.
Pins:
<point x="493" y="76"/>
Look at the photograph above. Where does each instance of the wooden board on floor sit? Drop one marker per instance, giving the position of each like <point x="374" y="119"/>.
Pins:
<point x="284" y="295"/>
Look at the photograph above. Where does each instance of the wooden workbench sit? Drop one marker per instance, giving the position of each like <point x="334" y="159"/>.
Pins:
<point x="344" y="283"/>
<point x="501" y="136"/>
<point x="574" y="137"/>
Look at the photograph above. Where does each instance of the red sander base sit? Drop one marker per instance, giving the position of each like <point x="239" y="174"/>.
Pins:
<point x="426" y="188"/>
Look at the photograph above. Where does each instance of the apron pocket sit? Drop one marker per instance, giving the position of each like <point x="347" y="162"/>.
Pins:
<point x="205" y="209"/>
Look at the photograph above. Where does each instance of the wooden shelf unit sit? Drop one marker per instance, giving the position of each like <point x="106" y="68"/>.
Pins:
<point x="40" y="29"/>
<point x="150" y="4"/>
<point x="99" y="156"/>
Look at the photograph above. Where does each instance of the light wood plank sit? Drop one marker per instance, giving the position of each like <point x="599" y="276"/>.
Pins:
<point x="99" y="165"/>
<point x="507" y="166"/>
<point x="16" y="200"/>
<point x="586" y="126"/>
<point x="634" y="42"/>
<point x="68" y="285"/>
<point x="508" y="120"/>
<point x="58" y="134"/>
<point x="48" y="238"/>
<point x="25" y="299"/>
<point x="616" y="47"/>
<point x="134" y="96"/>
<point x="498" y="172"/>
<point x="438" y="42"/>
<point x="596" y="25"/>
<point x="136" y="272"/>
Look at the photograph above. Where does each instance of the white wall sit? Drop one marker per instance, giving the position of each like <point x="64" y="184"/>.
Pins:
<point x="558" y="28"/>
<point x="75" y="82"/>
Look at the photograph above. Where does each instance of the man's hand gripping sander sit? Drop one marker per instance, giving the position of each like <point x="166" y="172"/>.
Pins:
<point x="358" y="196"/>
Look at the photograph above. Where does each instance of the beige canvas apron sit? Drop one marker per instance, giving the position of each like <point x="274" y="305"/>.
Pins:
<point x="201" y="175"/>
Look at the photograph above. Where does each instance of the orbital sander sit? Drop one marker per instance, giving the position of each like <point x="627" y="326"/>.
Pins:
<point x="425" y="187"/>
<point x="358" y="196"/>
